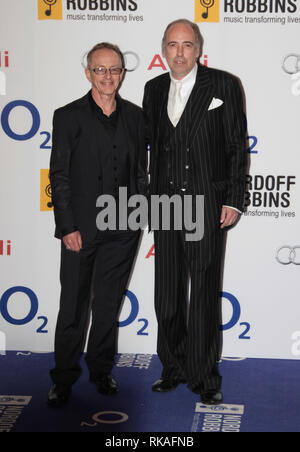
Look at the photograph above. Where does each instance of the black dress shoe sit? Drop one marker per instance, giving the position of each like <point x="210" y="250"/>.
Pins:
<point x="167" y="384"/>
<point x="59" y="395"/>
<point x="196" y="389"/>
<point x="105" y="384"/>
<point x="212" y="398"/>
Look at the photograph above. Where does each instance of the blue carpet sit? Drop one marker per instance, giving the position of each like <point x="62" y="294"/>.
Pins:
<point x="259" y="396"/>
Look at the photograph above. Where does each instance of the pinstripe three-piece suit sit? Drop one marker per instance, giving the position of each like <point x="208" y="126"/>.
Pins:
<point x="205" y="154"/>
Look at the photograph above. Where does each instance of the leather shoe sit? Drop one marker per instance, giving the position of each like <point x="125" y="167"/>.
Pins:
<point x="59" y="395"/>
<point x="212" y="398"/>
<point x="105" y="384"/>
<point x="166" y="384"/>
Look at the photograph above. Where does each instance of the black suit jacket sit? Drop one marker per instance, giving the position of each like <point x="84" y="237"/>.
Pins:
<point x="216" y="137"/>
<point x="74" y="164"/>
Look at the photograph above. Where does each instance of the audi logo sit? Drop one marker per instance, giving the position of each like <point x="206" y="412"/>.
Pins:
<point x="132" y="61"/>
<point x="291" y="64"/>
<point x="287" y="255"/>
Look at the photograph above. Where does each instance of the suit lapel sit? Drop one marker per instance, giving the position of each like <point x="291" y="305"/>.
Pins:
<point x="88" y="122"/>
<point x="128" y="127"/>
<point x="196" y="107"/>
<point x="162" y="96"/>
<point x="201" y="98"/>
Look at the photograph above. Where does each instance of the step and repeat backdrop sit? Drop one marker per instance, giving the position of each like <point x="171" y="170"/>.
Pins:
<point x="42" y="48"/>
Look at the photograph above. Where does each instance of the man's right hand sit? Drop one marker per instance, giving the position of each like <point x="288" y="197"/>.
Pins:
<point x="73" y="241"/>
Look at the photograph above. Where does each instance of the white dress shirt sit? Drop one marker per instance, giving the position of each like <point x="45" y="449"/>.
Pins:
<point x="188" y="83"/>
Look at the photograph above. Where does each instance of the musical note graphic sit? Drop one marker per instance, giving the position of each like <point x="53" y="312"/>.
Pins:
<point x="48" y="192"/>
<point x="49" y="3"/>
<point x="207" y="4"/>
<point x="46" y="203"/>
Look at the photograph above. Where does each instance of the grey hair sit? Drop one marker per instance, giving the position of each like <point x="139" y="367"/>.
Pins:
<point x="105" y="45"/>
<point x="194" y="27"/>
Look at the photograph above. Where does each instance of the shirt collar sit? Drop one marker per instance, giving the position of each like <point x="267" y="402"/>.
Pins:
<point x="189" y="79"/>
<point x="96" y="107"/>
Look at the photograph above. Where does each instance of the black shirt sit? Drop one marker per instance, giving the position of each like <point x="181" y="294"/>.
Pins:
<point x="109" y="122"/>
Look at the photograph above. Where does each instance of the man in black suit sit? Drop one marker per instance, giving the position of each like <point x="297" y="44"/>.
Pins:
<point x="98" y="147"/>
<point x="196" y="130"/>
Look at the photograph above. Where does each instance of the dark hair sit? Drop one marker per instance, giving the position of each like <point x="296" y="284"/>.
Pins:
<point x="106" y="45"/>
<point x="194" y="27"/>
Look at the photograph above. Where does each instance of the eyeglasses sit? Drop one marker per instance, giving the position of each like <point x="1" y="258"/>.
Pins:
<point x="103" y="70"/>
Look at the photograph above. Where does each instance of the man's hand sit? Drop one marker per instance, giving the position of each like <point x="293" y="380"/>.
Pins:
<point x="229" y="217"/>
<point x="73" y="241"/>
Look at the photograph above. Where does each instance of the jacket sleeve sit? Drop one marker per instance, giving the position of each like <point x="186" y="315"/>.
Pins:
<point x="60" y="163"/>
<point x="235" y="145"/>
<point x="147" y="114"/>
<point x="142" y="177"/>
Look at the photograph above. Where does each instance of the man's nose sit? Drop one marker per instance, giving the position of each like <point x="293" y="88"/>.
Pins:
<point x="179" y="50"/>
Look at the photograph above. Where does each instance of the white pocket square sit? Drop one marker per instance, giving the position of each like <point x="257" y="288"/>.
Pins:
<point x="216" y="103"/>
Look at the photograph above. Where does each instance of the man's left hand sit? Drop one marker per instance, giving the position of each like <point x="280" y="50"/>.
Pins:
<point x="229" y="217"/>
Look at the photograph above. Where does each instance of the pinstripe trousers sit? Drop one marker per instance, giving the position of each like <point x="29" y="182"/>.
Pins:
<point x="189" y="333"/>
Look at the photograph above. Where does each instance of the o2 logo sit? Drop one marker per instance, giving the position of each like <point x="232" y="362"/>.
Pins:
<point x="108" y="418"/>
<point x="253" y="143"/>
<point x="36" y="122"/>
<point x="134" y="312"/>
<point x="236" y="315"/>
<point x="34" y="307"/>
<point x="252" y="139"/>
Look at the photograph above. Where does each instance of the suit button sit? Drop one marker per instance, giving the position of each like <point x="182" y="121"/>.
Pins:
<point x="184" y="186"/>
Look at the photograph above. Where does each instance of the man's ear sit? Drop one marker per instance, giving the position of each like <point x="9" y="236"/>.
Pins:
<point x="123" y="75"/>
<point x="88" y="75"/>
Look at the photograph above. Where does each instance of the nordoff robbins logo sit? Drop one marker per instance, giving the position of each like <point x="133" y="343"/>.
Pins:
<point x="287" y="255"/>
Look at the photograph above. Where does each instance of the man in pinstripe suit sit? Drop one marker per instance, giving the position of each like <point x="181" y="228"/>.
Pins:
<point x="196" y="129"/>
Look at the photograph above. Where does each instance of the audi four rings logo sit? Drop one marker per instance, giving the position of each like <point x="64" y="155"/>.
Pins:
<point x="132" y="61"/>
<point x="291" y="64"/>
<point x="287" y="255"/>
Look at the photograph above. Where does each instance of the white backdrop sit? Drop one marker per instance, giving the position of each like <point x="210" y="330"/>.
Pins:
<point x="40" y="70"/>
